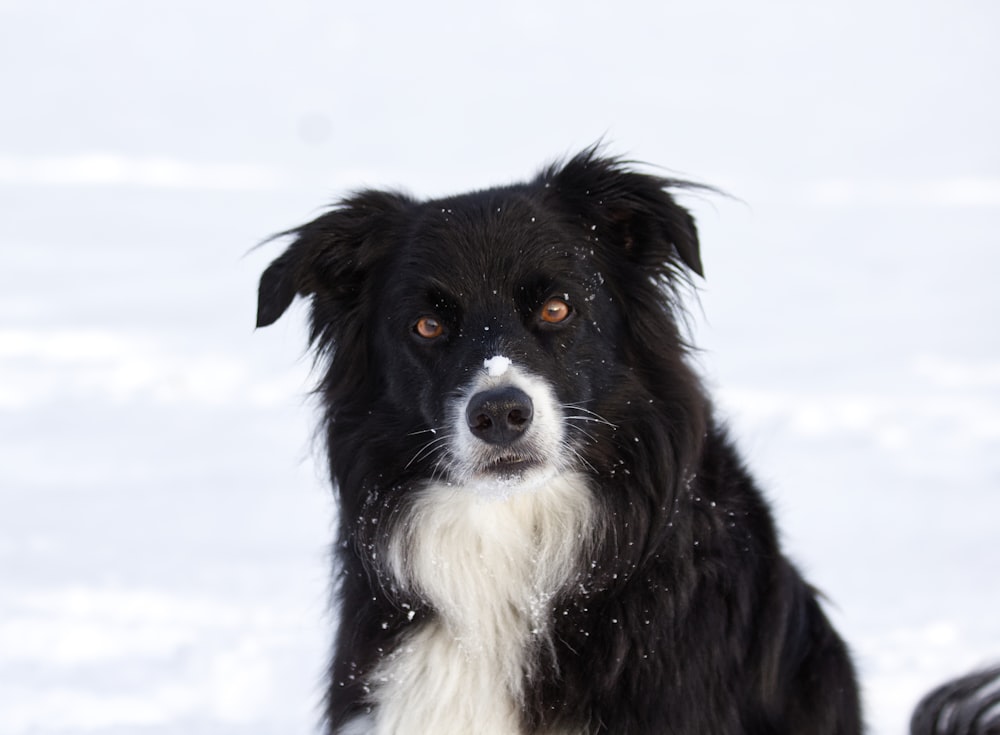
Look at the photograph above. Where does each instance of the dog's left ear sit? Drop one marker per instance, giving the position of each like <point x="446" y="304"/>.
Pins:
<point x="636" y="211"/>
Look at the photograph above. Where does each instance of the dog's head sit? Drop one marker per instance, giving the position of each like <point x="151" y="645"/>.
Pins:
<point x="481" y="338"/>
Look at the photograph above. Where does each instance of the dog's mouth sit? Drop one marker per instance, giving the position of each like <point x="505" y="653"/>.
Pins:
<point x="509" y="472"/>
<point x="508" y="464"/>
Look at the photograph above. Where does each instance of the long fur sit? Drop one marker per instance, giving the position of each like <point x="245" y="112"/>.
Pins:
<point x="616" y="570"/>
<point x="969" y="705"/>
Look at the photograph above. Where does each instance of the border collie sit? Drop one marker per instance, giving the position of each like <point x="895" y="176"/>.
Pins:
<point x="543" y="527"/>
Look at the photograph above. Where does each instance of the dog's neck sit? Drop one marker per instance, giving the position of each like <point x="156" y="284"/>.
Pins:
<point x="489" y="569"/>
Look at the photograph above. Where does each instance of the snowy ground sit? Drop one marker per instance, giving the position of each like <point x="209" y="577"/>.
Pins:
<point x="163" y="524"/>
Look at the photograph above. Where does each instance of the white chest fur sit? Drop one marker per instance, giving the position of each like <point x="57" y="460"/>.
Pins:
<point x="489" y="568"/>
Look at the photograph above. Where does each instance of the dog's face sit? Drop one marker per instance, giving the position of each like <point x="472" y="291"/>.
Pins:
<point x="492" y="318"/>
<point x="480" y="332"/>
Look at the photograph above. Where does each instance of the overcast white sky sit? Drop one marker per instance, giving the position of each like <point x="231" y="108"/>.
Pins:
<point x="162" y="520"/>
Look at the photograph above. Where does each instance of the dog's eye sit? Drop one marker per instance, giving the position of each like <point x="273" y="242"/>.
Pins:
<point x="555" y="311"/>
<point x="428" y="327"/>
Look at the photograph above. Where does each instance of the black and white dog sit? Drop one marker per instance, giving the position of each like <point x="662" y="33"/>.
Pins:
<point x="543" y="528"/>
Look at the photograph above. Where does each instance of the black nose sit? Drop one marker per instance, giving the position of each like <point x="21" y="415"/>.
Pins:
<point x="499" y="416"/>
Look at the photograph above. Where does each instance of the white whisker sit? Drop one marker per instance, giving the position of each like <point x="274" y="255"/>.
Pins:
<point x="593" y="415"/>
<point x="428" y="449"/>
<point x="579" y="456"/>
<point x="580" y="429"/>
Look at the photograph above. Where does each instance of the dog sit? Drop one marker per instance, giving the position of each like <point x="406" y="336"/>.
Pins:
<point x="543" y="526"/>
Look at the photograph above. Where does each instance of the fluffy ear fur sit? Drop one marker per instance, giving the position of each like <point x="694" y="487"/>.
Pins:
<point x="634" y="210"/>
<point x="329" y="258"/>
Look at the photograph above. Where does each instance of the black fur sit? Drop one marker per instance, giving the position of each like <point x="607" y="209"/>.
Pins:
<point x="966" y="706"/>
<point x="690" y="620"/>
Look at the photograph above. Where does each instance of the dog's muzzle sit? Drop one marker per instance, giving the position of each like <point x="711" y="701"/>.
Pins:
<point x="508" y="432"/>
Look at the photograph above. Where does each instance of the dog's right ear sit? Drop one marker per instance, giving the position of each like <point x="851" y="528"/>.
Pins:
<point x="330" y="256"/>
<point x="279" y="284"/>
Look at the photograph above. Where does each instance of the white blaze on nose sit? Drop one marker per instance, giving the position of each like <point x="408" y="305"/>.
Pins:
<point x="496" y="366"/>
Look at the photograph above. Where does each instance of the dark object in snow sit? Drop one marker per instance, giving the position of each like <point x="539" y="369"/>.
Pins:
<point x="966" y="706"/>
<point x="543" y="528"/>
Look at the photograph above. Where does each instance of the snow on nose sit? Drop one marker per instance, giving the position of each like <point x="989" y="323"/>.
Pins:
<point x="496" y="366"/>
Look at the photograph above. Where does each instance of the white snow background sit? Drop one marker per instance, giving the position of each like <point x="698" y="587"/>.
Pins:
<point x="164" y="521"/>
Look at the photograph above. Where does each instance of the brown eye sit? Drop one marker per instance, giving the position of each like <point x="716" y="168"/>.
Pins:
<point x="555" y="311"/>
<point x="428" y="327"/>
